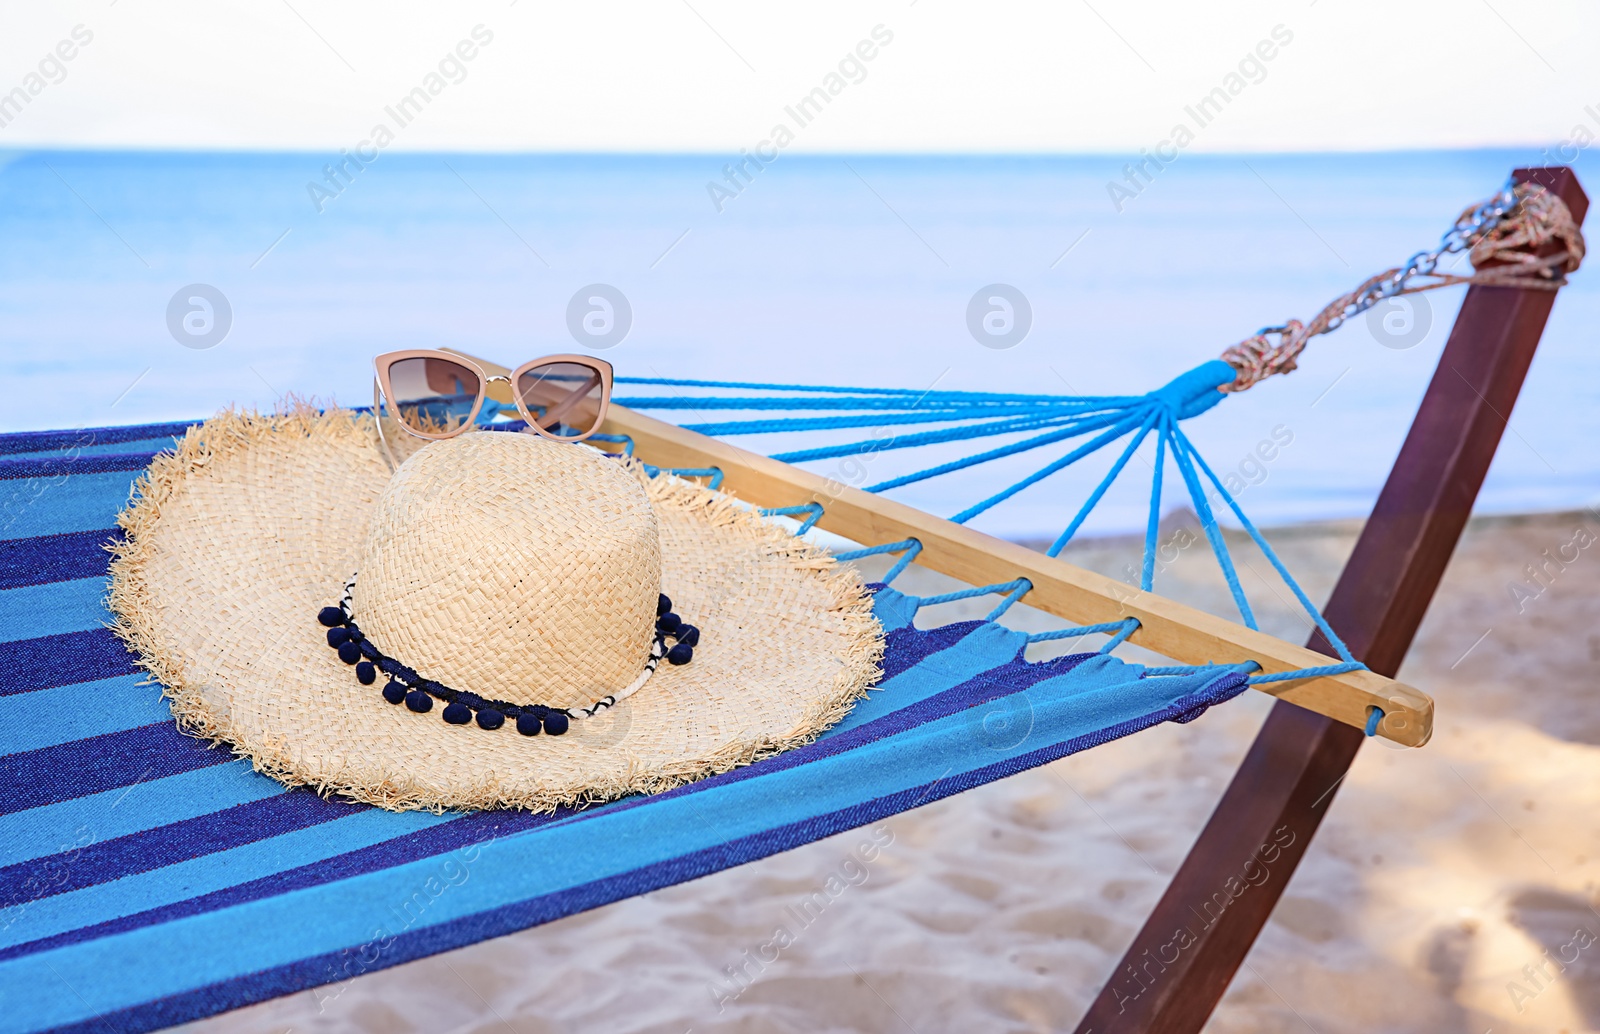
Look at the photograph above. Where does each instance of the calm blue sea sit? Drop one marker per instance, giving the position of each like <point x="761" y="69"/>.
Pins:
<point x="854" y="270"/>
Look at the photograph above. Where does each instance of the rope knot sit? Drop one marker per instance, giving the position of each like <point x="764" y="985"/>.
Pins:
<point x="1256" y="359"/>
<point x="1539" y="218"/>
<point x="1192" y="393"/>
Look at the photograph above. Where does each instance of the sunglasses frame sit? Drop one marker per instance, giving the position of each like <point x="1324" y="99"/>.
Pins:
<point x="383" y="392"/>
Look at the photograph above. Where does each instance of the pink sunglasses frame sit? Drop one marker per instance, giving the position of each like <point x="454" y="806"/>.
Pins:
<point x="383" y="392"/>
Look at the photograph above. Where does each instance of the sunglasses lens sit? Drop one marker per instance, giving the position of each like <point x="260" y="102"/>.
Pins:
<point x="434" y="396"/>
<point x="563" y="397"/>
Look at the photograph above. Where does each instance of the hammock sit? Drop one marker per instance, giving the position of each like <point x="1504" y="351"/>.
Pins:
<point x="131" y="856"/>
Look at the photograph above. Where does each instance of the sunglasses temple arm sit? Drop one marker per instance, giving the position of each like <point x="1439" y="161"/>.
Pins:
<point x="554" y="414"/>
<point x="377" y="419"/>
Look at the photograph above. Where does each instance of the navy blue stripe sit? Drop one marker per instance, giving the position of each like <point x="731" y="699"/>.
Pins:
<point x="55" y="467"/>
<point x="65" y="441"/>
<point x="406" y="947"/>
<point x="168" y="845"/>
<point x="98" y="763"/>
<point x="908" y="646"/>
<point x="55" y="558"/>
<point x="1012" y="677"/>
<point x="62" y="660"/>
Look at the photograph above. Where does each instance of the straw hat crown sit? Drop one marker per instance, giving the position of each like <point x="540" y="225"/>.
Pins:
<point x="549" y="552"/>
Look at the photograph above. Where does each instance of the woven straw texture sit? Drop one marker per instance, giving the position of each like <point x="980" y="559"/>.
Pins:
<point x="236" y="540"/>
<point x="550" y="552"/>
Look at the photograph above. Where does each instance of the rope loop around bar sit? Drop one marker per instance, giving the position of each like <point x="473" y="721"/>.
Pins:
<point x="813" y="510"/>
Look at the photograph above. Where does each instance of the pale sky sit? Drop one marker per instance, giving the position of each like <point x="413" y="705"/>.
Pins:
<point x="715" y="75"/>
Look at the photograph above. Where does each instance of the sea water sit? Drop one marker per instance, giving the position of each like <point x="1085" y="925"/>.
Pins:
<point x="856" y="270"/>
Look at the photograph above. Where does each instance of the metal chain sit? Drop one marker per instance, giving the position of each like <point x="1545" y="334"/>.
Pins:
<point x="1471" y="226"/>
<point x="1498" y="230"/>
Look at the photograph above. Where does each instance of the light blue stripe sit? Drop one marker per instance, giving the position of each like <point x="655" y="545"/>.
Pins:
<point x="985" y="647"/>
<point x="143" y="891"/>
<point x="53" y="505"/>
<point x="116" y="813"/>
<point x="1103" y="670"/>
<point x="35" y="610"/>
<point x="893" y="609"/>
<point x="47" y="717"/>
<point x="125" y="969"/>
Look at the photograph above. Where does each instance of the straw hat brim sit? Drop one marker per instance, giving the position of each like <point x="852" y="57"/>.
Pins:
<point x="236" y="540"/>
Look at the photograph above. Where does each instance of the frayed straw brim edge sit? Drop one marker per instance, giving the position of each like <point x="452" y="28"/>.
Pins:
<point x="137" y="622"/>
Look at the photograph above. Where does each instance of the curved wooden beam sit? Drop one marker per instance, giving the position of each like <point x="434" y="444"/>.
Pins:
<point x="1288" y="780"/>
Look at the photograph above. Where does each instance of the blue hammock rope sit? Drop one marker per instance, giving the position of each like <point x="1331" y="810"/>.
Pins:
<point x="1049" y="420"/>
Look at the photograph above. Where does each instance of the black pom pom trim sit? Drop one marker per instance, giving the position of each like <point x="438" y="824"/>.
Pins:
<point x="461" y="708"/>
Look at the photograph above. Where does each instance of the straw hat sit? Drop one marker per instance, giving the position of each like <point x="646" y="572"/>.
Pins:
<point x="498" y="604"/>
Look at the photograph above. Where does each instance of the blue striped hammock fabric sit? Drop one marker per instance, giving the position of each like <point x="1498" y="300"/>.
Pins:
<point x="147" y="879"/>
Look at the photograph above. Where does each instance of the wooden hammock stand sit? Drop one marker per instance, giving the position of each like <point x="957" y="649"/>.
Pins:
<point x="1309" y="740"/>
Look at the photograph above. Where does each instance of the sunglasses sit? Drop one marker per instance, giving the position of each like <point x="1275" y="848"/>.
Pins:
<point x="436" y="395"/>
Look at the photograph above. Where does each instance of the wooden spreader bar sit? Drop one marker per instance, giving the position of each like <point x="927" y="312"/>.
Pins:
<point x="1082" y="597"/>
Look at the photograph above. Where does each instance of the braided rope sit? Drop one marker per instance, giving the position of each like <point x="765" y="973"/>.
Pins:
<point x="1501" y="255"/>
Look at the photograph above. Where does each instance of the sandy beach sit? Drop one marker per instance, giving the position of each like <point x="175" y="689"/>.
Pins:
<point x="1441" y="894"/>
